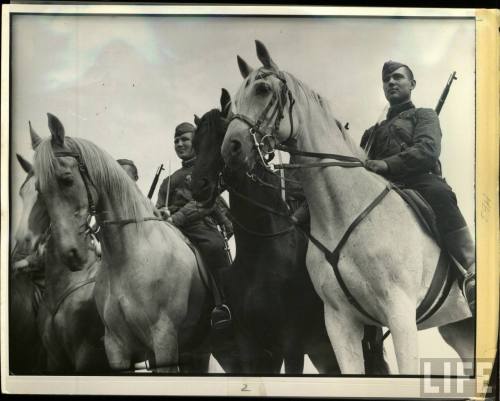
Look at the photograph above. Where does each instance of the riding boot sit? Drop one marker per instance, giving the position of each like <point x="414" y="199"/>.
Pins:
<point x="460" y="246"/>
<point x="221" y="314"/>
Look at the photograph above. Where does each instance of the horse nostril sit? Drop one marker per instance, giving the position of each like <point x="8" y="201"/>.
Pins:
<point x="235" y="146"/>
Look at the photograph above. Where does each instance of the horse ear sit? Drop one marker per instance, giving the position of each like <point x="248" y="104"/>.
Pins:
<point x="25" y="164"/>
<point x="264" y="57"/>
<point x="197" y="120"/>
<point x="245" y="69"/>
<point x="35" y="138"/>
<point x="225" y="102"/>
<point x="56" y="130"/>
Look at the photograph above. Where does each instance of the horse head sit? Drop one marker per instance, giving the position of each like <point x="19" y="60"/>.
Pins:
<point x="64" y="193"/>
<point x="263" y="114"/>
<point x="207" y="141"/>
<point x="33" y="220"/>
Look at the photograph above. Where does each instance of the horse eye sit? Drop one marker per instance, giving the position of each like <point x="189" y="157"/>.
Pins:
<point x="262" y="88"/>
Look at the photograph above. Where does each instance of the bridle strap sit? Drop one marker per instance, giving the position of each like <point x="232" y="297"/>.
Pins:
<point x="318" y="164"/>
<point x="129" y="221"/>
<point x="87" y="181"/>
<point x="296" y="152"/>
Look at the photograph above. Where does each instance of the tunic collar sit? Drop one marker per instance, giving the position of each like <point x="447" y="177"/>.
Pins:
<point x="189" y="162"/>
<point x="399" y="108"/>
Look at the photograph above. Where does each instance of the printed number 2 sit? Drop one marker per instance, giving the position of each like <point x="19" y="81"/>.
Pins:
<point x="245" y="388"/>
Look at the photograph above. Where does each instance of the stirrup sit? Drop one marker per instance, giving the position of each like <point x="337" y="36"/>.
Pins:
<point x="471" y="300"/>
<point x="223" y="317"/>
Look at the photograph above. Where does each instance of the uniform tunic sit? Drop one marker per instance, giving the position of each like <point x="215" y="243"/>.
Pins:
<point x="197" y="223"/>
<point x="409" y="141"/>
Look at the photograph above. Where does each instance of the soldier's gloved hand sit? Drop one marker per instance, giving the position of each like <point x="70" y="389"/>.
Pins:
<point x="164" y="213"/>
<point x="377" y="166"/>
<point x="228" y="228"/>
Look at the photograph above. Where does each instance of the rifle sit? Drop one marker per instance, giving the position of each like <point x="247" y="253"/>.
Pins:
<point x="439" y="106"/>
<point x="226" y="244"/>
<point x="155" y="181"/>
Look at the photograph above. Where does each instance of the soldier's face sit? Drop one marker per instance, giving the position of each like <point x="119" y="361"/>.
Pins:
<point x="184" y="146"/>
<point x="398" y="86"/>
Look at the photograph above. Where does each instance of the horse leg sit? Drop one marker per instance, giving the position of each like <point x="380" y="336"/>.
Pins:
<point x="90" y="359"/>
<point x="402" y="324"/>
<point x="165" y="347"/>
<point x="323" y="358"/>
<point x="194" y="362"/>
<point x="294" y="362"/>
<point x="119" y="357"/>
<point x="460" y="336"/>
<point x="345" y="334"/>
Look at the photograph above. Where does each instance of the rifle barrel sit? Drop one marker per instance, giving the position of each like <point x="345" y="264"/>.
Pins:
<point x="446" y="90"/>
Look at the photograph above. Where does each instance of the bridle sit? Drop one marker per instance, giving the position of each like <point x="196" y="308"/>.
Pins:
<point x="266" y="146"/>
<point x="89" y="228"/>
<point x="269" y="141"/>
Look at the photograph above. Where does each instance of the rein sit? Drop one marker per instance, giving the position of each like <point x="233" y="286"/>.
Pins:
<point x="260" y="205"/>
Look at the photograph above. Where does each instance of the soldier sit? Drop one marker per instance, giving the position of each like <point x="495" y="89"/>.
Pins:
<point x="405" y="149"/>
<point x="130" y="168"/>
<point x="175" y="203"/>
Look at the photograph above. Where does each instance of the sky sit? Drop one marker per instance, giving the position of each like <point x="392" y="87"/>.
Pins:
<point x="125" y="82"/>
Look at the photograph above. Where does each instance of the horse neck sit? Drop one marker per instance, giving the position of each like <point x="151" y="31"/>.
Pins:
<point x="255" y="218"/>
<point x="117" y="239"/>
<point x="336" y="195"/>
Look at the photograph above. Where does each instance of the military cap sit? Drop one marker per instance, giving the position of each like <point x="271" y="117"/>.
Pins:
<point x="126" y="162"/>
<point x="182" y="128"/>
<point x="391" y="66"/>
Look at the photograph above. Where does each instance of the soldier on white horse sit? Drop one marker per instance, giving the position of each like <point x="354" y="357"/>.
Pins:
<point x="405" y="148"/>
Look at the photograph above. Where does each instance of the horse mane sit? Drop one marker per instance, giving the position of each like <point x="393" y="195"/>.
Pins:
<point x="106" y="174"/>
<point x="211" y="121"/>
<point x="315" y="101"/>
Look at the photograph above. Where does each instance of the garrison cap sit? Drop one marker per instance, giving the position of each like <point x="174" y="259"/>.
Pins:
<point x="182" y="128"/>
<point x="127" y="162"/>
<point x="391" y="66"/>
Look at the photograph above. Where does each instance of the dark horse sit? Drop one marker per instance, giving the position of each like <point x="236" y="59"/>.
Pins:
<point x="26" y="352"/>
<point x="277" y="314"/>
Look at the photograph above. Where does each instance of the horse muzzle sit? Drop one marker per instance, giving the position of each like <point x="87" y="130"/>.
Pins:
<point x="237" y="151"/>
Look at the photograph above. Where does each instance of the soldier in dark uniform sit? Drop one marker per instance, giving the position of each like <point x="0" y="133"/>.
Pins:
<point x="405" y="149"/>
<point x="175" y="203"/>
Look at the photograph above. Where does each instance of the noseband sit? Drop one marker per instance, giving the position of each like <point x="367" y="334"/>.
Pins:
<point x="269" y="134"/>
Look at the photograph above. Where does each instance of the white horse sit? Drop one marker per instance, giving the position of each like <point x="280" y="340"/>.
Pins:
<point x="387" y="262"/>
<point x="149" y="292"/>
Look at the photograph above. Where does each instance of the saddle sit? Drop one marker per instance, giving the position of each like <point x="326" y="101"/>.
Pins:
<point x="425" y="215"/>
<point x="205" y="274"/>
<point x="443" y="278"/>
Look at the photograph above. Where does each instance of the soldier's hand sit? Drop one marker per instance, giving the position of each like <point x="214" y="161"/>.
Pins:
<point x="164" y="213"/>
<point x="377" y="166"/>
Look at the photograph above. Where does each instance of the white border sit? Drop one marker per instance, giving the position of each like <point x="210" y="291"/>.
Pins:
<point x="134" y="385"/>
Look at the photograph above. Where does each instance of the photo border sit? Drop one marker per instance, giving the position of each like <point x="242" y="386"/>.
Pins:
<point x="308" y="386"/>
